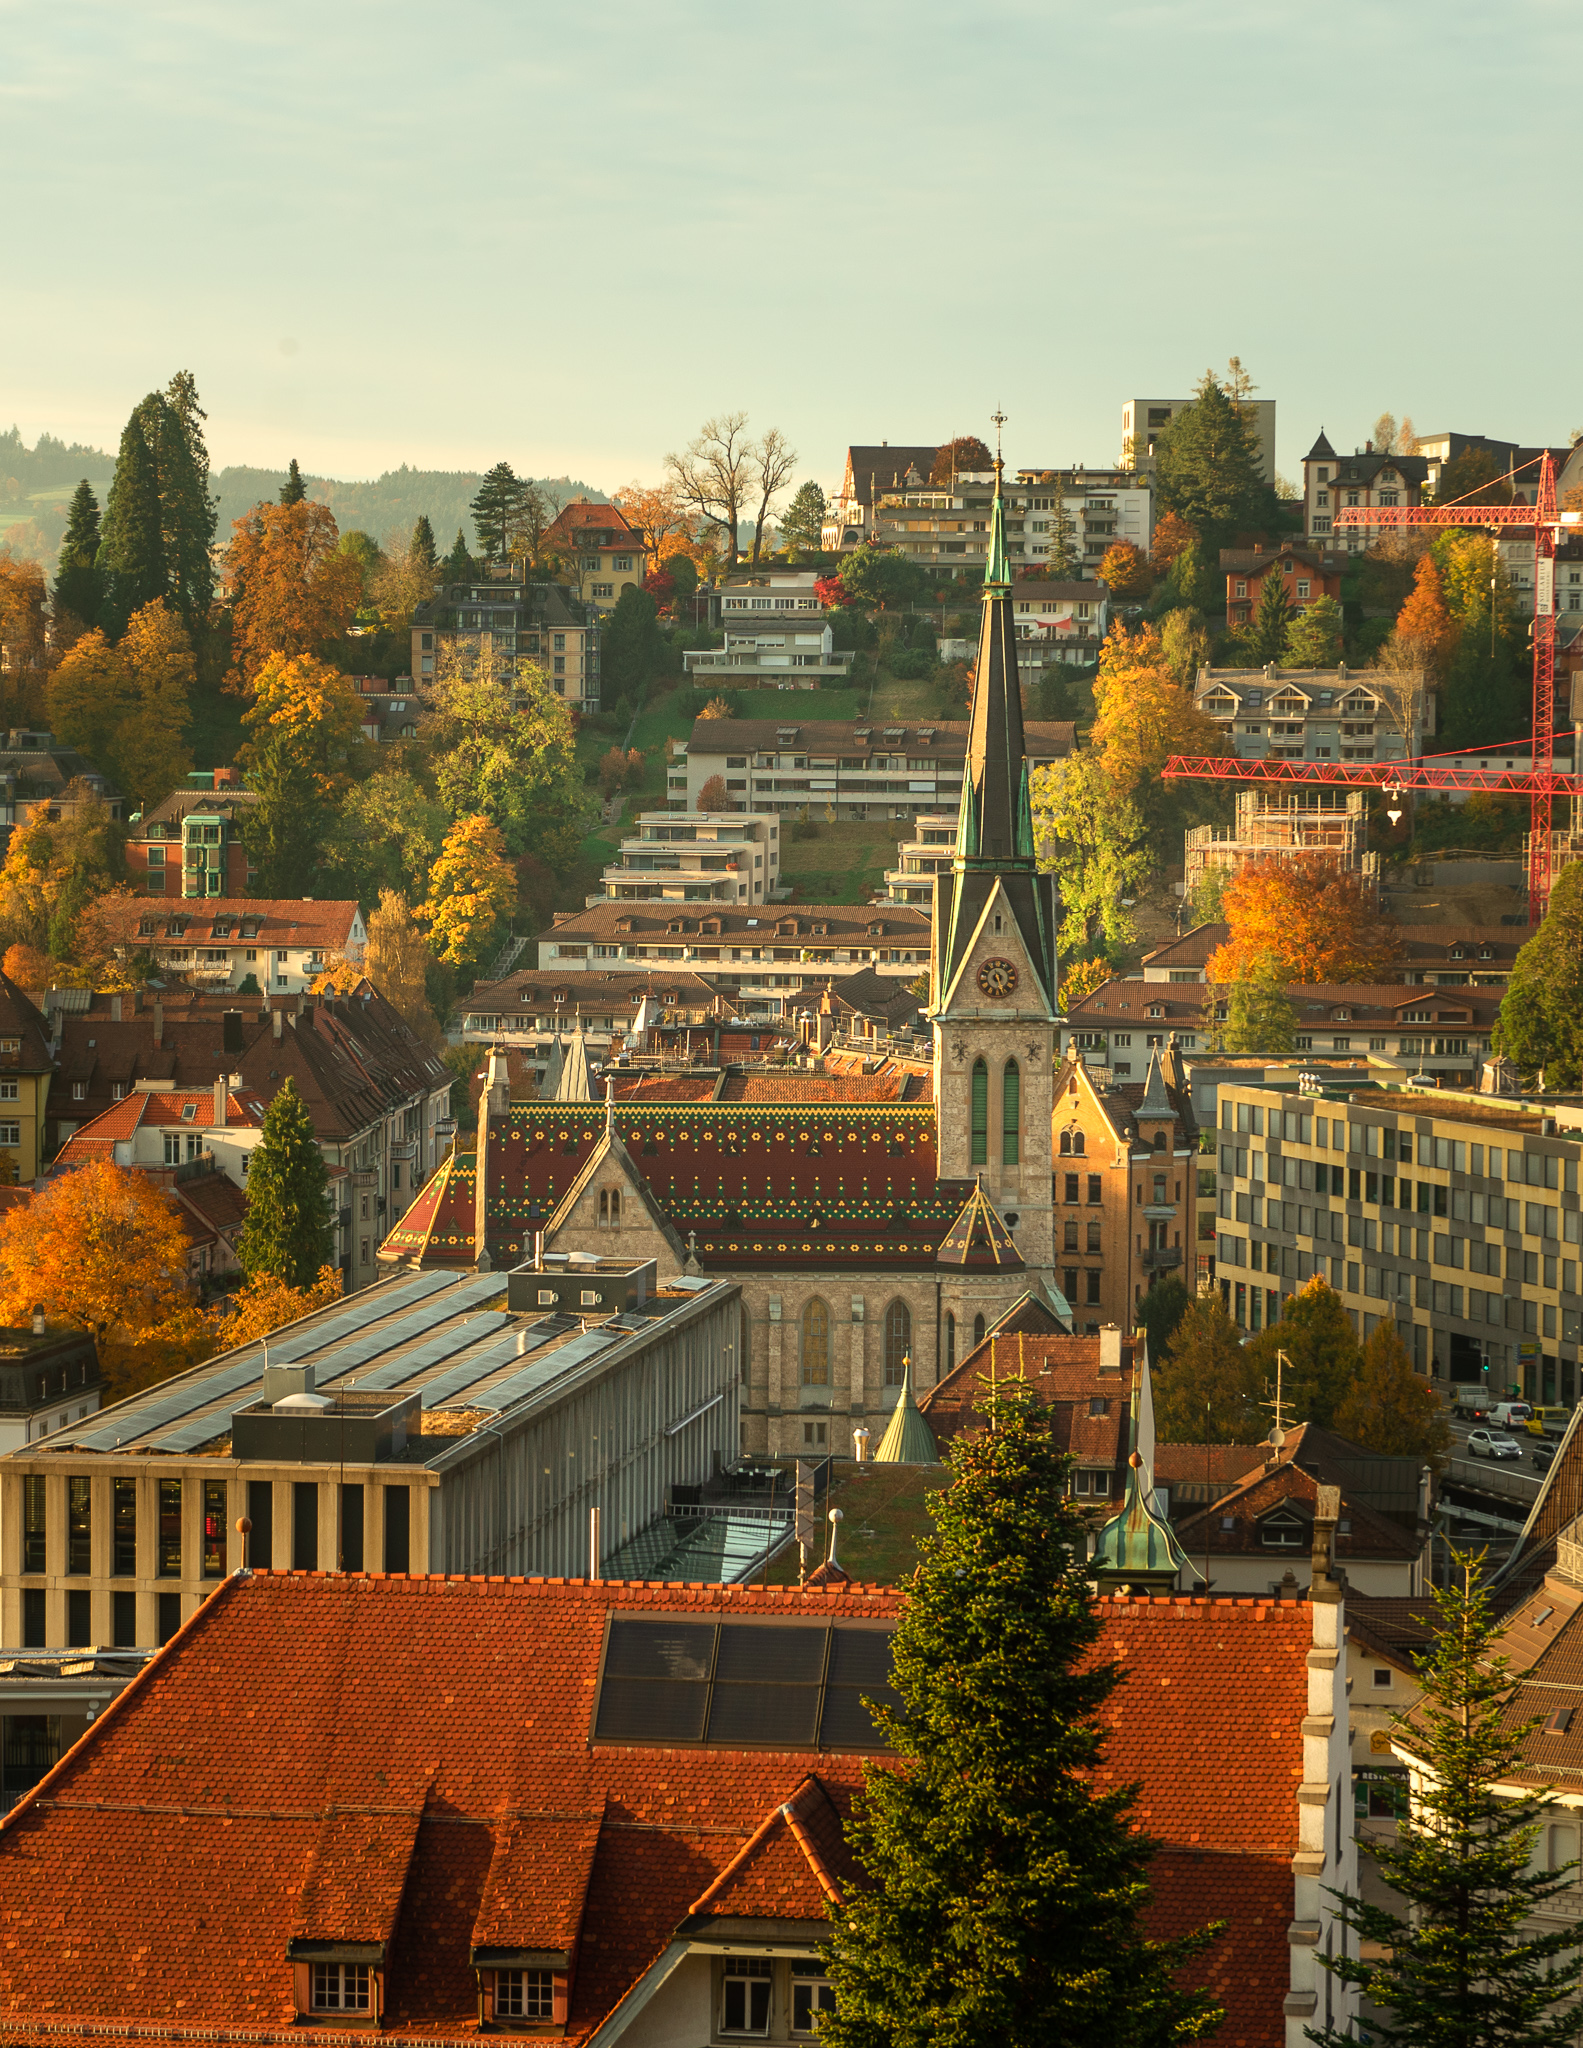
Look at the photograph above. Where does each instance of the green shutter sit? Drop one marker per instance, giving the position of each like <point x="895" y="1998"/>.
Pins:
<point x="980" y="1155"/>
<point x="1010" y="1106"/>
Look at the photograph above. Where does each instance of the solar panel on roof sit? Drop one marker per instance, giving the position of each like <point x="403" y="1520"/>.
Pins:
<point x="576" y="1351"/>
<point x="459" y="1297"/>
<point x="475" y="1366"/>
<point x="135" y="1419"/>
<point x="411" y="1363"/>
<point x="401" y="1298"/>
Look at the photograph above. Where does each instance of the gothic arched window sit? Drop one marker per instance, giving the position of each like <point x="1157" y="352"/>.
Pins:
<point x="898" y="1341"/>
<point x="1010" y="1112"/>
<point x="816" y="1344"/>
<point x="980" y="1149"/>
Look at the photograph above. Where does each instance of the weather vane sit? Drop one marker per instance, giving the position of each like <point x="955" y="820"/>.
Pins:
<point x="999" y="419"/>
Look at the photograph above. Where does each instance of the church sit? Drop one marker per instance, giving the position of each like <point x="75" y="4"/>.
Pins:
<point x="862" y="1233"/>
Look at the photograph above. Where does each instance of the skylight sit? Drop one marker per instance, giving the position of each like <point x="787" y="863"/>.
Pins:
<point x="742" y="1684"/>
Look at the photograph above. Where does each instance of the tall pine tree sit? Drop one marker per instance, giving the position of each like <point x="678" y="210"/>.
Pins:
<point x="131" y="558"/>
<point x="1003" y="1896"/>
<point x="1207" y="469"/>
<point x="188" y="508"/>
<point x="421" y="549"/>
<point x="79" y="590"/>
<point x="1265" y="634"/>
<point x="459" y="564"/>
<point x="1455" y="1951"/>
<point x="293" y="490"/>
<point x="287" y="1232"/>
<point x="495" y="509"/>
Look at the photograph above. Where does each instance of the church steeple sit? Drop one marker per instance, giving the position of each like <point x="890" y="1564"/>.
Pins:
<point x="994" y="832"/>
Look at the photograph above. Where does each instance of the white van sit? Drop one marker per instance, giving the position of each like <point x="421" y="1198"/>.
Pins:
<point x="1511" y="1414"/>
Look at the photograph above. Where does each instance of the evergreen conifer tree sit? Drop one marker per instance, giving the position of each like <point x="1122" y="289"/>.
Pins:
<point x="293" y="490"/>
<point x="1207" y="468"/>
<point x="186" y="510"/>
<point x="287" y="1232"/>
<point x="1314" y="638"/>
<point x="1002" y="1896"/>
<point x="802" y="523"/>
<point x="287" y="825"/>
<point x="79" y="590"/>
<point x="495" y="509"/>
<point x="1456" y="1950"/>
<point x="421" y="548"/>
<point x="131" y="558"/>
<point x="631" y="650"/>
<point x="1267" y="629"/>
<point x="1063" y="542"/>
<point x="459" y="565"/>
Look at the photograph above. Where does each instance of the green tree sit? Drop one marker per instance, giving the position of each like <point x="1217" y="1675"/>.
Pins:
<point x="131" y="558"/>
<point x="802" y="523"/>
<point x="287" y="1233"/>
<point x="1390" y="1407"/>
<point x="1161" y="1310"/>
<point x="495" y="510"/>
<point x="630" y="646"/>
<point x="1540" y="1025"/>
<point x="1207" y="468"/>
<point x="1002" y="1896"/>
<point x="1314" y="638"/>
<point x="366" y="552"/>
<point x="384" y="835"/>
<point x="1321" y="1348"/>
<point x="421" y="548"/>
<point x="881" y="579"/>
<point x="1264" y="638"/>
<point x="289" y="822"/>
<point x="459" y="566"/>
<point x="1455" y="1952"/>
<point x="1487" y="698"/>
<point x="502" y="747"/>
<point x="1184" y="642"/>
<point x="79" y="588"/>
<point x="293" y="490"/>
<point x="190" y="508"/>
<point x="1205" y="1388"/>
<point x="1260" y="1017"/>
<point x="1093" y="837"/>
<point x="1063" y="557"/>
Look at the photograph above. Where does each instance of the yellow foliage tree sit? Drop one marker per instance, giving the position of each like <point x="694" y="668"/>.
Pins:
<point x="149" y="756"/>
<point x="102" y="1249"/>
<point x="471" y="891"/>
<point x="1142" y="716"/>
<point x="315" y="710"/>
<point x="1318" y="923"/>
<point x="292" y="590"/>
<point x="395" y="962"/>
<point x="268" y="1304"/>
<point x="92" y="696"/>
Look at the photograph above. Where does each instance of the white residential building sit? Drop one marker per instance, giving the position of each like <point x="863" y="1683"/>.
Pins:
<point x="696" y="857"/>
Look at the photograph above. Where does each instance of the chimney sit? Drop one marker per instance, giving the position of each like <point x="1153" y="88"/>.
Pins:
<point x="221" y="1102"/>
<point x="1327" y="1512"/>
<point x="115" y="1009"/>
<point x="38" y="1320"/>
<point x="1110" y="1349"/>
<point x="279" y="1019"/>
<point x="159" y="1024"/>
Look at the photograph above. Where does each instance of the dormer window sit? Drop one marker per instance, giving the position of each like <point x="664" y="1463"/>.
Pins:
<point x="1156" y="1010"/>
<point x="524" y="1994"/>
<point x="340" y="1987"/>
<point x="1282" y="1532"/>
<point x="745" y="1995"/>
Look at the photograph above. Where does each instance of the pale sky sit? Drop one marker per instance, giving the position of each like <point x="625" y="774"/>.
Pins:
<point x="383" y="232"/>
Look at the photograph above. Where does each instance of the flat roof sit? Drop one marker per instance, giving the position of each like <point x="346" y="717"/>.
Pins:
<point x="445" y="1336"/>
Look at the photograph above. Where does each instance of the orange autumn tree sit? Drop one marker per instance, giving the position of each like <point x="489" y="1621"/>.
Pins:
<point x="1142" y="716"/>
<point x="102" y="1249"/>
<point x="1424" y="625"/>
<point x="1315" y="921"/>
<point x="266" y="1303"/>
<point x="292" y="591"/>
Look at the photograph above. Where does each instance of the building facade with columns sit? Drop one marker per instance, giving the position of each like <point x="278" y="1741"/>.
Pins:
<point x="862" y="1232"/>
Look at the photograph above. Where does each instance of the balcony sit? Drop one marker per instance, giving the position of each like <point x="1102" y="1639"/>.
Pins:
<point x="1162" y="1259"/>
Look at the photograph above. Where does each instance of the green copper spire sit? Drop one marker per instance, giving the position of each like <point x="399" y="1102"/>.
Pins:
<point x="1137" y="1548"/>
<point x="997" y="571"/>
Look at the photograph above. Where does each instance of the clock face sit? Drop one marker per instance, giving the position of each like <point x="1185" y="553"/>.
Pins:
<point x="997" y="979"/>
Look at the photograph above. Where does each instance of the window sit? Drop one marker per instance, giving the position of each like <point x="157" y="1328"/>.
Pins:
<point x="1283" y="1532"/>
<point x="811" y="1994"/>
<point x="524" y="1994"/>
<point x="1010" y="1099"/>
<point x="978" y="1330"/>
<point x="950" y="1342"/>
<point x="123" y="1528"/>
<point x="1093" y="1188"/>
<point x="745" y="1995"/>
<point x="1093" y="1279"/>
<point x="816" y="1344"/>
<point x="33" y="1538"/>
<point x="979" y="1152"/>
<point x="79" y="1525"/>
<point x="170" y="1529"/>
<point x="340" y="1987"/>
<point x="898" y="1342"/>
<point x="1093" y="1237"/>
<point x="1382" y="1677"/>
<point x="1070" y="1243"/>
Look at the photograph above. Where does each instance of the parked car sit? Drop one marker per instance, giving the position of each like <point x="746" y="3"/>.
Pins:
<point x="1544" y="1456"/>
<point x="1493" y="1443"/>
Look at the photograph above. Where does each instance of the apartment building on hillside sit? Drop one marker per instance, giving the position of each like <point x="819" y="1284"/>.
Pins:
<point x="697" y="857"/>
<point x="1333" y="483"/>
<point x="945" y="530"/>
<point x="1312" y="714"/>
<point x="192" y="843"/>
<point x="855" y="766"/>
<point x="603" y="549"/>
<point x="919" y="859"/>
<point x="518" y="625"/>
<point x="1144" y="420"/>
<point x="1433" y="955"/>
<point x="1455" y="1215"/>
<point x="1305" y="574"/>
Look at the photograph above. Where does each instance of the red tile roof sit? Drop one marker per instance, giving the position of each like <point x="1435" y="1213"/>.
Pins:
<point x="426" y="1780"/>
<point x="158" y="1109"/>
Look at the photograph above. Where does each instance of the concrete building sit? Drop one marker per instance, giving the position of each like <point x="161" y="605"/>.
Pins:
<point x="945" y="531"/>
<point x="1456" y="1215"/>
<point x="604" y="551"/>
<point x="849" y="515"/>
<point x="766" y="597"/>
<point x="514" y="624"/>
<point x="1143" y="420"/>
<point x="49" y="1379"/>
<point x="1059" y="620"/>
<point x="436" y="1424"/>
<point x="772" y="654"/>
<point x="1312" y="714"/>
<point x="538" y="1007"/>
<point x="48" y="1701"/>
<point x="855" y="766"/>
<point x="769" y="953"/>
<point x="697" y="857"/>
<point x="919" y="859"/>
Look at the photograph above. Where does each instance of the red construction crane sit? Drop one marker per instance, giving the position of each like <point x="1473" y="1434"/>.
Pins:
<point x="1540" y="782"/>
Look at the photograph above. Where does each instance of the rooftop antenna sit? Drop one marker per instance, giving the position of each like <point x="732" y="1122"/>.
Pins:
<point x="1278" y="1405"/>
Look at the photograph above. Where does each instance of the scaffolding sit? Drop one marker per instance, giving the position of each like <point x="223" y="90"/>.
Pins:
<point x="1279" y="823"/>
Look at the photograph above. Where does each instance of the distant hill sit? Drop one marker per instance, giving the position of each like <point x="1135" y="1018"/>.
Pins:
<point x="388" y="505"/>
